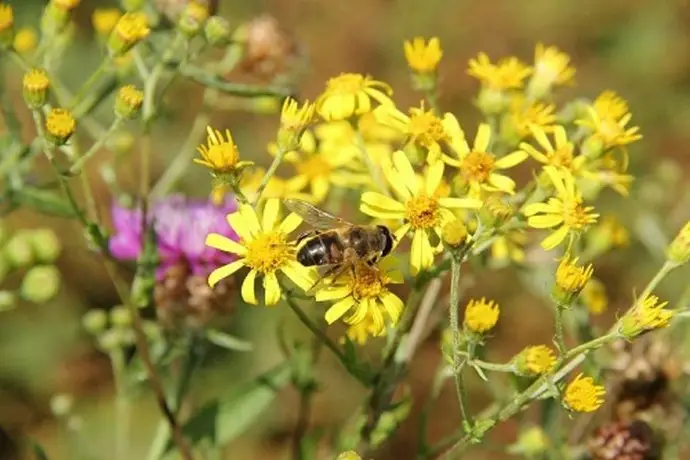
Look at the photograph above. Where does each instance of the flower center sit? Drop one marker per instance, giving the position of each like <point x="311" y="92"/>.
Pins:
<point x="477" y="166"/>
<point x="426" y="127"/>
<point x="347" y="83"/>
<point x="609" y="129"/>
<point x="366" y="284"/>
<point x="423" y="212"/>
<point x="540" y="360"/>
<point x="223" y="155"/>
<point x="60" y="123"/>
<point x="269" y="252"/>
<point x="575" y="215"/>
<point x="314" y="166"/>
<point x="562" y="157"/>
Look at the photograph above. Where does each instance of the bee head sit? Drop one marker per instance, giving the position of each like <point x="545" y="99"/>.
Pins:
<point x="388" y="240"/>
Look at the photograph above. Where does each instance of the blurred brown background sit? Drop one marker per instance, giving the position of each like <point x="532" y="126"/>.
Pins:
<point x="640" y="49"/>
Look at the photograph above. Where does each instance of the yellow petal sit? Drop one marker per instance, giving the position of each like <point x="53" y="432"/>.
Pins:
<point x="223" y="243"/>
<point x="416" y="254"/>
<point x="541" y="138"/>
<point x="433" y="178"/>
<point x="461" y="203"/>
<point x="483" y="138"/>
<point x="291" y="222"/>
<point x="511" y="159"/>
<point x="332" y="293"/>
<point x="248" y="293"/>
<point x="380" y="213"/>
<point x="393" y="304"/>
<point x="545" y="221"/>
<point x="503" y="183"/>
<point x="555" y="238"/>
<point x="319" y="188"/>
<point x="556" y="177"/>
<point x="238" y="224"/>
<point x="251" y="220"/>
<point x="270" y="214"/>
<point x="534" y="153"/>
<point x="338" y="309"/>
<point x="535" y="208"/>
<point x="224" y="271"/>
<point x="271" y="289"/>
<point x="302" y="276"/>
<point x="402" y="164"/>
<point x="561" y="136"/>
<point x="377" y="200"/>
<point x="400" y="234"/>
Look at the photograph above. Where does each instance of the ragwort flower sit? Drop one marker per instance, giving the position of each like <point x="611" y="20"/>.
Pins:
<point x="560" y="155"/>
<point x="481" y="315"/>
<point x="509" y="73"/>
<point x="363" y="294"/>
<point x="535" y="360"/>
<point x="583" y="395"/>
<point x="564" y="211"/>
<point x="523" y="116"/>
<point x="477" y="165"/>
<point x="351" y="94"/>
<point x="647" y="314"/>
<point x="610" y="131"/>
<point x="551" y="67"/>
<point x="264" y="248"/>
<point x="423" y="57"/>
<point x="220" y="154"/>
<point x="417" y="204"/>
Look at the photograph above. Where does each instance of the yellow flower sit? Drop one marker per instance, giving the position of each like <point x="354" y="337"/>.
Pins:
<point x="507" y="74"/>
<point x="535" y="360"/>
<point x="351" y="94"/>
<point x="129" y="30"/>
<point x="477" y="165"/>
<point x="6" y="17"/>
<point x="35" y="86"/>
<point x="277" y="187"/>
<point x="647" y="314"/>
<point x="679" y="249"/>
<point x="523" y="116"/>
<point x="611" y="132"/>
<point x="454" y="233"/>
<point x="583" y="395"/>
<point x="559" y="156"/>
<point x="609" y="105"/>
<point x="564" y="211"/>
<point x="66" y="5"/>
<point x="423" y="57"/>
<point x="551" y="67"/>
<point x="421" y="126"/>
<point x="571" y="278"/>
<point x="594" y="297"/>
<point x="104" y="20"/>
<point x="264" y="248"/>
<point x="365" y="296"/>
<point x="607" y="177"/>
<point x="60" y="125"/>
<point x="509" y="247"/>
<point x="220" y="154"/>
<point x="128" y="101"/>
<point x="481" y="315"/>
<point x="417" y="203"/>
<point x="25" y="41"/>
<point x="293" y="121"/>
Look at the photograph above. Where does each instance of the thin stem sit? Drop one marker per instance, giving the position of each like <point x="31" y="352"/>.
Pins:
<point x="269" y="174"/>
<point x="102" y="68"/>
<point x="454" y="321"/>
<point x="660" y="275"/>
<point x="122" y="405"/>
<point x="78" y="165"/>
<point x="496" y="367"/>
<point x="560" y="336"/>
<point x="302" y="425"/>
<point x="431" y="95"/>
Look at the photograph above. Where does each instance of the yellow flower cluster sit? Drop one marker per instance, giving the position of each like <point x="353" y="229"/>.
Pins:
<point x="583" y="395"/>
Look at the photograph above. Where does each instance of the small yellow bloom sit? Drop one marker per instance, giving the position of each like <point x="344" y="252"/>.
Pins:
<point x="560" y="155"/>
<point x="365" y="296"/>
<point x="570" y="277"/>
<point x="454" y="233"/>
<point x="481" y="315"/>
<point x="104" y="20"/>
<point x="611" y="132"/>
<point x="583" y="395"/>
<point x="220" y="154"/>
<point x="423" y="57"/>
<point x="35" y="88"/>
<point x="647" y="314"/>
<point x="25" y="41"/>
<point x="551" y="67"/>
<point x="679" y="249"/>
<point x="524" y="116"/>
<point x="351" y="94"/>
<point x="507" y="74"/>
<point x="609" y="105"/>
<point x="564" y="211"/>
<point x="594" y="297"/>
<point x="293" y="121"/>
<point x="418" y="205"/>
<point x="421" y="126"/>
<point x="264" y="248"/>
<point x="128" y="101"/>
<point x="60" y="125"/>
<point x="66" y="5"/>
<point x="477" y="165"/>
<point x="197" y="11"/>
<point x="535" y="360"/>
<point x="129" y="30"/>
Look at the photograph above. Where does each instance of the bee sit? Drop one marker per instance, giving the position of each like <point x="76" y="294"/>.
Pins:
<point x="335" y="244"/>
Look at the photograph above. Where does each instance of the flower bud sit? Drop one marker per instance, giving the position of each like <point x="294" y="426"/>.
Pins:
<point x="492" y="101"/>
<point x="121" y="317"/>
<point x="535" y="360"/>
<point x="111" y="340"/>
<point x="193" y="18"/>
<point x="60" y="126"/>
<point x="104" y="20"/>
<point x="531" y="443"/>
<point x="7" y="300"/>
<point x="61" y="405"/>
<point x="6" y="26"/>
<point x="293" y="121"/>
<point x="594" y="297"/>
<point x="132" y="5"/>
<point x="40" y="283"/>
<point x="35" y="88"/>
<point x="121" y="142"/>
<point x="54" y="19"/>
<point x="647" y="314"/>
<point x="188" y="26"/>
<point x="25" y="41"/>
<point x="217" y="31"/>
<point x="67" y="5"/>
<point x="454" y="233"/>
<point x="95" y="321"/>
<point x="45" y="244"/>
<point x="679" y="249"/>
<point x="129" y="30"/>
<point x="570" y="280"/>
<point x="128" y="102"/>
<point x="152" y="330"/>
<point x="481" y="315"/>
<point x="18" y="250"/>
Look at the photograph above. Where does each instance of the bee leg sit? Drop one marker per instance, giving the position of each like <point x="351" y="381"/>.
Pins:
<point x="305" y="235"/>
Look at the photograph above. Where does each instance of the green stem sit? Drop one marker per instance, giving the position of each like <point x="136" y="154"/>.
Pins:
<point x="660" y="275"/>
<point x="269" y="174"/>
<point x="238" y="89"/>
<point x="117" y="360"/>
<point x="454" y="321"/>
<point x="560" y="336"/>
<point x="78" y="165"/>
<point x="496" y="367"/>
<point x="102" y="69"/>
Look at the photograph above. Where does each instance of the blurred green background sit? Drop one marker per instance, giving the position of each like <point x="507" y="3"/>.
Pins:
<point x="638" y="48"/>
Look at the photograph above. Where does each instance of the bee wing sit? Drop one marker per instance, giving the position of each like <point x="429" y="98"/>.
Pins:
<point x="314" y="216"/>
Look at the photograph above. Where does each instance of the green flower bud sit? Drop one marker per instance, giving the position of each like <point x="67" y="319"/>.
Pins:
<point x="121" y="142"/>
<point x="19" y="251"/>
<point x="217" y="31"/>
<point x="111" y="340"/>
<point x="54" y="20"/>
<point x="40" y="284"/>
<point x="188" y="26"/>
<point x="531" y="442"/>
<point x="132" y="5"/>
<point x="121" y="317"/>
<point x="7" y="300"/>
<point x="679" y="249"/>
<point x="61" y="404"/>
<point x="35" y="88"/>
<point x="152" y="330"/>
<point x="128" y="102"/>
<point x="95" y="321"/>
<point x="492" y="101"/>
<point x="45" y="244"/>
<point x="454" y="233"/>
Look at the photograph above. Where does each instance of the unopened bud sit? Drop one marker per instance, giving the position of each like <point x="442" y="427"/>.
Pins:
<point x="6" y="26"/>
<point x="293" y="121"/>
<point x="94" y="321"/>
<point x="111" y="340"/>
<point x="152" y="330"/>
<point x="54" y="19"/>
<point x="128" y="102"/>
<point x="19" y="251"/>
<point x="60" y="126"/>
<point x="129" y="30"/>
<point x="121" y="317"/>
<point x="25" y="41"/>
<point x="570" y="280"/>
<point x="7" y="300"/>
<point x="121" y="142"/>
<point x="104" y="20"/>
<point x="492" y="101"/>
<point x="217" y="31"/>
<point x="454" y="233"/>
<point x="531" y="443"/>
<point x="35" y="88"/>
<point x="61" y="404"/>
<point x="188" y="26"/>
<point x="40" y="284"/>
<point x="46" y="244"/>
<point x="679" y="249"/>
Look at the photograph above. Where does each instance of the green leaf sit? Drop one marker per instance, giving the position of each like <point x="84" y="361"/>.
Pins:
<point x="39" y="453"/>
<point x="227" y="417"/>
<point x="227" y="341"/>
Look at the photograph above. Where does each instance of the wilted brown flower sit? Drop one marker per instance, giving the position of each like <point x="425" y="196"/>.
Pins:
<point x="624" y="441"/>
<point x="269" y="49"/>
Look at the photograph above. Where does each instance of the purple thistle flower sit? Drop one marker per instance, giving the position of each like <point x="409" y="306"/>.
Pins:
<point x="181" y="227"/>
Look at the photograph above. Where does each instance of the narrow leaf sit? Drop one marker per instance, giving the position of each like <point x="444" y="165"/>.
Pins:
<point x="39" y="453"/>
<point x="227" y="341"/>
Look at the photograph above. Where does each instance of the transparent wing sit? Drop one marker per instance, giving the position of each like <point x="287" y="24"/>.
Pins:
<point x="314" y="216"/>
